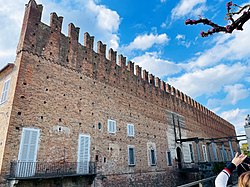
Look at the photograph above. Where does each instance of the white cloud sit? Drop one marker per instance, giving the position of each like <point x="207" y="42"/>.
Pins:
<point x="247" y="79"/>
<point x="234" y="93"/>
<point x="146" y="41"/>
<point x="163" y="25"/>
<point x="106" y="19"/>
<point x="181" y="40"/>
<point x="163" y="1"/>
<point x="188" y="7"/>
<point x="214" y="104"/>
<point x="11" y="14"/>
<point x="104" y="22"/>
<point x="6" y="55"/>
<point x="152" y="63"/>
<point x="237" y="118"/>
<point x="209" y="81"/>
<point x="7" y="7"/>
<point x="180" y="36"/>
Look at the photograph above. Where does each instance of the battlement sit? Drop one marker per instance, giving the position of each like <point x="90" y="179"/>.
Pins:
<point x="49" y="42"/>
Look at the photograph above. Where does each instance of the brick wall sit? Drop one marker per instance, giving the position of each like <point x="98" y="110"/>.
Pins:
<point x="66" y="89"/>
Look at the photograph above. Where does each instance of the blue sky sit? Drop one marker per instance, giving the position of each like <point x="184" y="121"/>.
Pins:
<point x="215" y="70"/>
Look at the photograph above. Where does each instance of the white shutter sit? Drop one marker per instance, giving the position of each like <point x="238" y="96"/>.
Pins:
<point x="114" y="126"/>
<point x="83" y="154"/>
<point x="130" y="129"/>
<point x="204" y="153"/>
<point x="5" y="90"/>
<point x="111" y="126"/>
<point x="28" y="152"/>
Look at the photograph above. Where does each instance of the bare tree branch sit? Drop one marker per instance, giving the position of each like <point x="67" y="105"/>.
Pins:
<point x="235" y="24"/>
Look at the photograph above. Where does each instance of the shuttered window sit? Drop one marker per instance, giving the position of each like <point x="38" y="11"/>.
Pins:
<point x="83" y="154"/>
<point x="28" y="152"/>
<point x="111" y="126"/>
<point x="5" y="91"/>
<point x="130" y="130"/>
<point x="204" y="149"/>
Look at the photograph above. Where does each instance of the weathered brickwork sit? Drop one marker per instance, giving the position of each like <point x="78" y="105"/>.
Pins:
<point x="65" y="89"/>
<point x="65" y="182"/>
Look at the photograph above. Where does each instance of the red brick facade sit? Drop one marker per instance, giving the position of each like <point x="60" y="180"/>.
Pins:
<point x="65" y="89"/>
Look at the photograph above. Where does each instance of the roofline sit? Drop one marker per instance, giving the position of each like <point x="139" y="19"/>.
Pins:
<point x="6" y="66"/>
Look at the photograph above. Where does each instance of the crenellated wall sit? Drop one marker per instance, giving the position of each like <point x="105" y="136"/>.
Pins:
<point x="65" y="89"/>
<point x="50" y="43"/>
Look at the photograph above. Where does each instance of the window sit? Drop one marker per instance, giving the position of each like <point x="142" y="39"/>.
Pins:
<point x="226" y="155"/>
<point x="131" y="155"/>
<point x="28" y="152"/>
<point x="5" y="91"/>
<point x="83" y="154"/>
<point x="130" y="129"/>
<point x="191" y="152"/>
<point x="169" y="158"/>
<point x="221" y="155"/>
<point x="111" y="126"/>
<point x="229" y="155"/>
<point x="99" y="125"/>
<point x="204" y="149"/>
<point x="152" y="157"/>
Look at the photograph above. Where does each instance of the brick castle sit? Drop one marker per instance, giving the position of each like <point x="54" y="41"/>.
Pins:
<point x="63" y="103"/>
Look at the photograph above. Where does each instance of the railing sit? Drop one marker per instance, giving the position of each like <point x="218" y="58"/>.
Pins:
<point x="30" y="170"/>
<point x="198" y="166"/>
<point x="199" y="182"/>
<point x="187" y="167"/>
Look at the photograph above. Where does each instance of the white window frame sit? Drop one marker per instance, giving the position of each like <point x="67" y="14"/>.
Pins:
<point x="28" y="152"/>
<point x="111" y="126"/>
<point x="5" y="91"/>
<point x="130" y="130"/>
<point x="129" y="161"/>
<point x="83" y="160"/>
<point x="204" y="150"/>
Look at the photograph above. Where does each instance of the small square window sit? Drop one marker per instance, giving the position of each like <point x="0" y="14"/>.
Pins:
<point x="131" y="130"/>
<point x="111" y="126"/>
